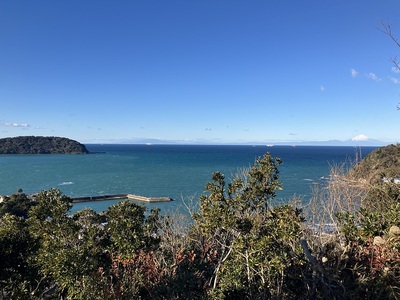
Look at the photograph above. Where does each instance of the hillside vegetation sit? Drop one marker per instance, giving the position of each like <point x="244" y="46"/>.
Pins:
<point x="236" y="242"/>
<point x="41" y="145"/>
<point x="381" y="163"/>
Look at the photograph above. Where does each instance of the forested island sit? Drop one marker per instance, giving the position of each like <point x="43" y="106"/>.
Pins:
<point x="41" y="145"/>
<point x="238" y="243"/>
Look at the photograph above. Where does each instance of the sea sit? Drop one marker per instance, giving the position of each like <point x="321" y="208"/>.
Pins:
<point x="176" y="171"/>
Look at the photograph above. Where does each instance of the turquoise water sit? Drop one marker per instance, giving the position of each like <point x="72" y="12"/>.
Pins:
<point x="176" y="171"/>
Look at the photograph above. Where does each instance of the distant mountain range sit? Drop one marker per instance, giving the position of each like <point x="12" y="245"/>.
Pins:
<point x="369" y="142"/>
<point x="351" y="142"/>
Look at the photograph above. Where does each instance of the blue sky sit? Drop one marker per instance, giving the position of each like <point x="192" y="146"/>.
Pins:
<point x="204" y="71"/>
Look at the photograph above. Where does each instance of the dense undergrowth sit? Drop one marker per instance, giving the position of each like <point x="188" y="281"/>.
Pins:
<point x="345" y="244"/>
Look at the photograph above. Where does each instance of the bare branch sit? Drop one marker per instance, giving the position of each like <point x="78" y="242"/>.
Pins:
<point x="395" y="63"/>
<point x="387" y="29"/>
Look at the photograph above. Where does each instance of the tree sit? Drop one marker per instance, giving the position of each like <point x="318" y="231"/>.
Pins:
<point x="17" y="250"/>
<point x="252" y="247"/>
<point x="41" y="145"/>
<point x="372" y="235"/>
<point x="52" y="208"/>
<point x="355" y="231"/>
<point x="70" y="248"/>
<point x="130" y="230"/>
<point x="387" y="29"/>
<point x="17" y="204"/>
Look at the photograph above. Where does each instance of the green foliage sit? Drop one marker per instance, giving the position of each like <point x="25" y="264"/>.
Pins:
<point x="253" y="248"/>
<point x="381" y="163"/>
<point x="129" y="229"/>
<point x="373" y="262"/>
<point x="41" y="145"/>
<point x="53" y="255"/>
<point x="228" y="207"/>
<point x="262" y="183"/>
<point x="263" y="260"/>
<point x="17" y="204"/>
<point x="380" y="209"/>
<point x="70" y="248"/>
<point x="52" y="207"/>
<point x="16" y="248"/>
<point x="238" y="246"/>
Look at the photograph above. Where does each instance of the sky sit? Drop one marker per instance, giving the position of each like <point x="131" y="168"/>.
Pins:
<point x="183" y="71"/>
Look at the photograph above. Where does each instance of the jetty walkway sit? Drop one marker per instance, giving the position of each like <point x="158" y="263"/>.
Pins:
<point x="121" y="196"/>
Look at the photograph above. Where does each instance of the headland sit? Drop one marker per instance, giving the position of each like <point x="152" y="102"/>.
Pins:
<point x="41" y="145"/>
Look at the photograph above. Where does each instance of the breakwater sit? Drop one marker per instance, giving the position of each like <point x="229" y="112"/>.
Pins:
<point x="121" y="196"/>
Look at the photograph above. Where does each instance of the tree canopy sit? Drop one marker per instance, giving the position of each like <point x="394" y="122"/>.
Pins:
<point x="41" y="145"/>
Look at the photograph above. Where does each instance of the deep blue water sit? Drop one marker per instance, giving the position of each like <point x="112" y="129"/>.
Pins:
<point x="163" y="170"/>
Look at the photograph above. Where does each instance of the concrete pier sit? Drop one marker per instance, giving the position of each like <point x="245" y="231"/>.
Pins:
<point x="121" y="196"/>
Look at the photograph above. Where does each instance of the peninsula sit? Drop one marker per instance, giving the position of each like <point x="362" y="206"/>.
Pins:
<point x="41" y="145"/>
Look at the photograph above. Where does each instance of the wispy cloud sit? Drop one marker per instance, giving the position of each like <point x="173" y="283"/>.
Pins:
<point x="395" y="70"/>
<point x="207" y="129"/>
<point x="373" y="76"/>
<point x="322" y="88"/>
<point x="370" y="75"/>
<point x="395" y="80"/>
<point x="23" y="125"/>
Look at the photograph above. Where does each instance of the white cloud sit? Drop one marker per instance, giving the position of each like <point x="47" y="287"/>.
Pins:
<point x="360" y="137"/>
<point x="24" y="125"/>
<point x="395" y="70"/>
<point x="322" y="88"/>
<point x="354" y="73"/>
<point x="395" y="80"/>
<point x="373" y="76"/>
<point x="370" y="75"/>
